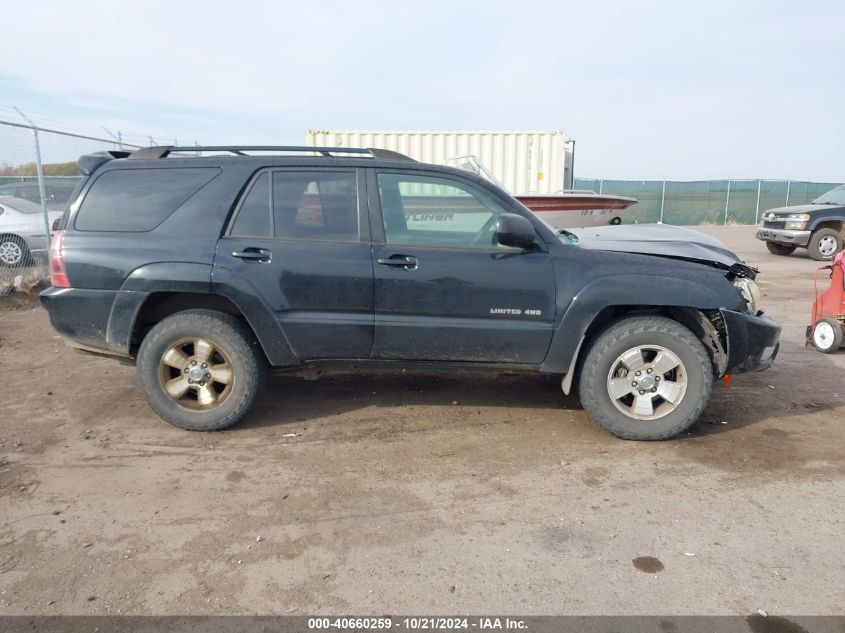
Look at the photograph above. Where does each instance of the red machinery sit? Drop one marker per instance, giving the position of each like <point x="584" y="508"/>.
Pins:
<point x="827" y="329"/>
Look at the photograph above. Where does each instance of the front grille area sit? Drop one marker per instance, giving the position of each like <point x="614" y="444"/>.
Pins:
<point x="773" y="224"/>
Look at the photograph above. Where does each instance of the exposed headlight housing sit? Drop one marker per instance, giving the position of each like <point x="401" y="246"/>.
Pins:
<point x="750" y="293"/>
<point x="796" y="221"/>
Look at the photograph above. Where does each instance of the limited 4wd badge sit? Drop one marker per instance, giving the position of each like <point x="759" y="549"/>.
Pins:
<point x="516" y="311"/>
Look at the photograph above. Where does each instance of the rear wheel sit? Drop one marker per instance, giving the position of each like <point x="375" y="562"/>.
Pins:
<point x="824" y="244"/>
<point x="200" y="370"/>
<point x="646" y="378"/>
<point x="827" y="336"/>
<point x="14" y="252"/>
<point x="779" y="249"/>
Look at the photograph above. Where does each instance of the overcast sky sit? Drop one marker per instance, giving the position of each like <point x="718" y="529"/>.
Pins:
<point x="649" y="90"/>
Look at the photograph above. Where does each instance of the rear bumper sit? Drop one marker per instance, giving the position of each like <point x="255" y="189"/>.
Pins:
<point x="753" y="342"/>
<point x="96" y="321"/>
<point x="782" y="236"/>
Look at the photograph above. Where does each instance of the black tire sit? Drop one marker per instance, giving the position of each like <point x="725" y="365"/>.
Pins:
<point x="824" y="244"/>
<point x="241" y="352"/>
<point x="14" y="252"/>
<point x="827" y="339"/>
<point x="780" y="249"/>
<point x="644" y="331"/>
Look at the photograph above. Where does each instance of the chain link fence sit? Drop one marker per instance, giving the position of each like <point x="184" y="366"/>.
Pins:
<point x="38" y="174"/>
<point x="706" y="201"/>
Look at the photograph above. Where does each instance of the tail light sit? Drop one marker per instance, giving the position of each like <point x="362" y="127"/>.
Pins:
<point x="58" y="276"/>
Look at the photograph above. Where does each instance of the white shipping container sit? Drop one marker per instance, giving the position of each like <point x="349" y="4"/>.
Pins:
<point x="524" y="162"/>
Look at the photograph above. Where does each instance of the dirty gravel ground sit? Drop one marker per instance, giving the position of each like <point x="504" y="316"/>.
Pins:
<point x="412" y="494"/>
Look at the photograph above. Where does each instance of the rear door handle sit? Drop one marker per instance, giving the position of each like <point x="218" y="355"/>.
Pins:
<point x="400" y="261"/>
<point x="258" y="254"/>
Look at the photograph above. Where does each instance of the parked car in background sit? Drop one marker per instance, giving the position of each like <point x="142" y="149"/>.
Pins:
<point x="207" y="270"/>
<point x="819" y="227"/>
<point x="22" y="231"/>
<point x="57" y="193"/>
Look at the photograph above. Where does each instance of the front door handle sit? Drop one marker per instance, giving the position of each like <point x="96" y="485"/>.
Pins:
<point x="258" y="254"/>
<point x="407" y="262"/>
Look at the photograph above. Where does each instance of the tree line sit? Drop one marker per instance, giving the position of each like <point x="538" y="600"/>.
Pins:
<point x="29" y="169"/>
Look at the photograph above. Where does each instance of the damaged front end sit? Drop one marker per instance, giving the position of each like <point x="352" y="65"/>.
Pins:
<point x="738" y="342"/>
<point x="737" y="335"/>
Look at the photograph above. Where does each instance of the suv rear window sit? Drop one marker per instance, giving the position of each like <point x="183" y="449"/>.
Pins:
<point x="138" y="200"/>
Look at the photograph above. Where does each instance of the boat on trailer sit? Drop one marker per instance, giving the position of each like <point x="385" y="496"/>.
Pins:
<point x="569" y="209"/>
<point x="577" y="208"/>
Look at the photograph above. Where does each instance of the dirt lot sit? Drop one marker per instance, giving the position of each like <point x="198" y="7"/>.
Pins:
<point x="409" y="494"/>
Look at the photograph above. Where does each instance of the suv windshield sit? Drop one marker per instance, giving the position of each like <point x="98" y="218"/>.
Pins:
<point x="834" y="196"/>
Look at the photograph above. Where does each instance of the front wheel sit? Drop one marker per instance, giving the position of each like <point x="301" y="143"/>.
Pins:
<point x="646" y="378"/>
<point x="824" y="244"/>
<point x="779" y="249"/>
<point x="200" y="370"/>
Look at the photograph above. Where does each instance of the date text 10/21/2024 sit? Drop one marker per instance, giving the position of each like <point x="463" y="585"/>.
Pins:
<point x="418" y="623"/>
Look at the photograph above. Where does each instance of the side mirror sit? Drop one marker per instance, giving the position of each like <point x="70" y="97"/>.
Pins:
<point x="514" y="230"/>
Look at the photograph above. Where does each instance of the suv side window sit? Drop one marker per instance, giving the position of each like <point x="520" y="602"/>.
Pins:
<point x="253" y="219"/>
<point x="315" y="205"/>
<point x="427" y="210"/>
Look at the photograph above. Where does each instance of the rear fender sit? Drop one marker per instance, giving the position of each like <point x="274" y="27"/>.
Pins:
<point x="143" y="281"/>
<point x="179" y="277"/>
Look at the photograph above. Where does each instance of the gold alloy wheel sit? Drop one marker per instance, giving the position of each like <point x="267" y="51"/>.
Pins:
<point x="196" y="374"/>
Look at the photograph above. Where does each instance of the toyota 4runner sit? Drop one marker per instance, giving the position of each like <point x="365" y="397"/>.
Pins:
<point x="208" y="266"/>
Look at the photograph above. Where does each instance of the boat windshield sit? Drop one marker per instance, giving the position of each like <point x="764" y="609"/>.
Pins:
<point x="474" y="166"/>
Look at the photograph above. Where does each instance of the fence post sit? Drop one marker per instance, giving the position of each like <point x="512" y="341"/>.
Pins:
<point x="727" y="203"/>
<point x="39" y="170"/>
<point x="601" y="185"/>
<point x="662" y="201"/>
<point x="788" y="187"/>
<point x="757" y="210"/>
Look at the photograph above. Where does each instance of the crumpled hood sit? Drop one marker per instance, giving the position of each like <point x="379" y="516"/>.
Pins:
<point x="657" y="239"/>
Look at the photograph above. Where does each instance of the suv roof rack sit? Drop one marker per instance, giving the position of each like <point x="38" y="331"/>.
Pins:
<point x="163" y="151"/>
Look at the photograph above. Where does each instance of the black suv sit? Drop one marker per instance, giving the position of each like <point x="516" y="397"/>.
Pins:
<point x="207" y="270"/>
<point x="819" y="226"/>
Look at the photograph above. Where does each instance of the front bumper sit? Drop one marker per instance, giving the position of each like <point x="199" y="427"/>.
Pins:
<point x="752" y="342"/>
<point x="782" y="236"/>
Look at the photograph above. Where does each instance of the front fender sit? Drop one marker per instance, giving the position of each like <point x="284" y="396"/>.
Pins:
<point x="826" y="217"/>
<point x="629" y="290"/>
